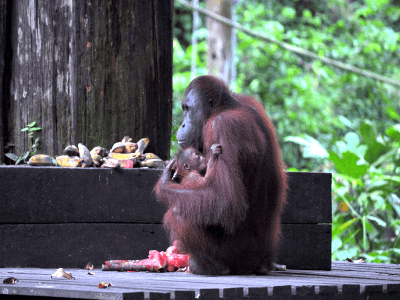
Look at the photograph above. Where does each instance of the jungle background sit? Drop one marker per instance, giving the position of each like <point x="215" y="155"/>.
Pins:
<point x="327" y="119"/>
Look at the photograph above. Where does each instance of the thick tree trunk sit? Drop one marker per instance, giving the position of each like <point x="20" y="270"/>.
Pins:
<point x="219" y="39"/>
<point x="3" y="21"/>
<point x="92" y="72"/>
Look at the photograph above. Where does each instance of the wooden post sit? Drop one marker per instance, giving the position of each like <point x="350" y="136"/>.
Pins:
<point x="219" y="39"/>
<point x="3" y="25"/>
<point x="92" y="72"/>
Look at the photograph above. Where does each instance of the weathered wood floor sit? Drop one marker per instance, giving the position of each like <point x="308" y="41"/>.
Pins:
<point x="345" y="281"/>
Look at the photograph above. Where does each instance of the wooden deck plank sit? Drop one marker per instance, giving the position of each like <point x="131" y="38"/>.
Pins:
<point x="178" y="279"/>
<point x="345" y="278"/>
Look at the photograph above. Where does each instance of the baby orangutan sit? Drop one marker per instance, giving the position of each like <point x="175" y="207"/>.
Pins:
<point x="192" y="166"/>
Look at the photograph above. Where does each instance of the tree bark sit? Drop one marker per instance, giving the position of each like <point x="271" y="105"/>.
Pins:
<point x="219" y="39"/>
<point x="3" y="20"/>
<point x="92" y="72"/>
<point x="5" y="59"/>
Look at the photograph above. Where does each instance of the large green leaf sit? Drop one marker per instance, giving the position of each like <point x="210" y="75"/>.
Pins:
<point x="368" y="133"/>
<point x="376" y="148"/>
<point x="352" y="141"/>
<point x="394" y="132"/>
<point x="353" y="144"/>
<point x="339" y="228"/>
<point x="312" y="148"/>
<point x="349" y="164"/>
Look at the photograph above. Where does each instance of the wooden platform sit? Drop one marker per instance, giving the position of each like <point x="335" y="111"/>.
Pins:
<point x="344" y="281"/>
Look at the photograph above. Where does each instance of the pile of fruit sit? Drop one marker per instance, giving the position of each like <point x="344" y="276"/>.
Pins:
<point x="124" y="154"/>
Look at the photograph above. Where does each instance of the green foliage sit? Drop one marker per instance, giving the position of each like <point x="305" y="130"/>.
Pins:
<point x="174" y="141"/>
<point x="366" y="208"/>
<point x="293" y="88"/>
<point x="35" y="145"/>
<point x="365" y="190"/>
<point x="182" y="77"/>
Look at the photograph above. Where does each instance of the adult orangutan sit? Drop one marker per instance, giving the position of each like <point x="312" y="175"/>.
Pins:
<point x="230" y="224"/>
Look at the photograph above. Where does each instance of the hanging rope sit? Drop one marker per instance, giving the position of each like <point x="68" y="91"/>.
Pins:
<point x="293" y="48"/>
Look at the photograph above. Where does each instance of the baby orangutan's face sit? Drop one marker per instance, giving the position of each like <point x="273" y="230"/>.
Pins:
<point x="192" y="160"/>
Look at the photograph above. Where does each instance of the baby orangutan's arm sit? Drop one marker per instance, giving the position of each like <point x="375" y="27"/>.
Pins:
<point x="216" y="150"/>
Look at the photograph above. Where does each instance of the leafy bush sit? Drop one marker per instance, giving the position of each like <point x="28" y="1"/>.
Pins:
<point x="366" y="208"/>
<point x="304" y="96"/>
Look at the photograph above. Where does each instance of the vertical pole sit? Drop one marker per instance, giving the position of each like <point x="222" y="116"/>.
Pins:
<point x="233" y="46"/>
<point x="3" y="21"/>
<point x="219" y="39"/>
<point x="194" y="39"/>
